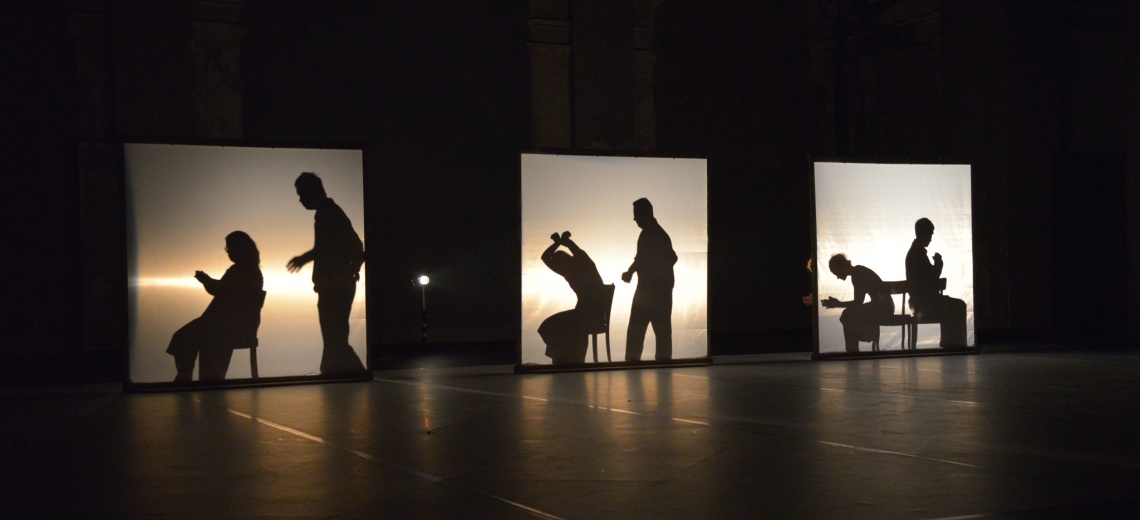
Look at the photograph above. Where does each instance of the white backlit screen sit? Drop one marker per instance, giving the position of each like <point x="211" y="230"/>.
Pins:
<point x="182" y="203"/>
<point x="592" y="198"/>
<point x="868" y="213"/>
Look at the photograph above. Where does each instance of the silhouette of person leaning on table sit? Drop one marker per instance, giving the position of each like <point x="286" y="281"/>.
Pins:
<point x="337" y="256"/>
<point x="230" y="321"/>
<point x="922" y="278"/>
<point x="653" y="298"/>
<point x="566" y="333"/>
<point x="860" y="320"/>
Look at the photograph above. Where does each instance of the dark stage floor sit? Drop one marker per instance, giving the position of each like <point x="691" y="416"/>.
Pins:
<point x="996" y="435"/>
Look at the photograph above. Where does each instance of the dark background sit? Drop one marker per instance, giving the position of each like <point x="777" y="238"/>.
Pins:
<point x="444" y="95"/>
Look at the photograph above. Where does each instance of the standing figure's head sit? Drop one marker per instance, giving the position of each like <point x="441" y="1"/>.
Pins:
<point x="241" y="249"/>
<point x="840" y="266"/>
<point x="923" y="230"/>
<point x="642" y="212"/>
<point x="310" y="189"/>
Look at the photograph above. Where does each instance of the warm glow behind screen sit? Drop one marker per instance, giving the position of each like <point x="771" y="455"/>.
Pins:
<point x="867" y="211"/>
<point x="184" y="200"/>
<point x="592" y="197"/>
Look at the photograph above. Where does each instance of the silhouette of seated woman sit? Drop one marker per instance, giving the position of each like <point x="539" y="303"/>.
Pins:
<point x="860" y="320"/>
<point x="230" y="321"/>
<point x="565" y="333"/>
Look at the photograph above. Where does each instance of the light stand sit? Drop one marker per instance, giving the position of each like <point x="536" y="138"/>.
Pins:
<point x="423" y="281"/>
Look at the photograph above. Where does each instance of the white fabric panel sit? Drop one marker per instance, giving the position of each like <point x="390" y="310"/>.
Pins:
<point x="867" y="211"/>
<point x="184" y="200"/>
<point x="592" y="197"/>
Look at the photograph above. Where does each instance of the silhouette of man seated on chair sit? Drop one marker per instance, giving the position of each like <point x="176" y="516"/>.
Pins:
<point x="929" y="305"/>
<point x="565" y="333"/>
<point x="230" y="321"/>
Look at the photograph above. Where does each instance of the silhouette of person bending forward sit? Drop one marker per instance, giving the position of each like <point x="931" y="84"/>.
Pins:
<point x="337" y="255"/>
<point x="230" y="321"/>
<point x="565" y="333"/>
<point x="928" y="304"/>
<point x="653" y="299"/>
<point x="860" y="320"/>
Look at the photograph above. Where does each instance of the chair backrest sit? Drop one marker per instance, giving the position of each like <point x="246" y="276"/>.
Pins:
<point x="899" y="287"/>
<point x="250" y="341"/>
<point x="609" y="303"/>
<point x="903" y="288"/>
<point x="606" y="302"/>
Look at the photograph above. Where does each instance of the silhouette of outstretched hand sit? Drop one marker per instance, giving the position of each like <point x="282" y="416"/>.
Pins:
<point x="565" y="236"/>
<point x="830" y="302"/>
<point x="201" y="276"/>
<point x="627" y="276"/>
<point x="554" y="236"/>
<point x="295" y="264"/>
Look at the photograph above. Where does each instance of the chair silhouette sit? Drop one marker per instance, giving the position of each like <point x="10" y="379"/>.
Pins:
<point x="251" y="340"/>
<point x="906" y="322"/>
<point x="902" y="319"/>
<point x="603" y="326"/>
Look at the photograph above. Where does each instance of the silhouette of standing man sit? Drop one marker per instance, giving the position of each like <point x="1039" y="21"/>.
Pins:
<point x="337" y="255"/>
<point x="653" y="299"/>
<point x="928" y="304"/>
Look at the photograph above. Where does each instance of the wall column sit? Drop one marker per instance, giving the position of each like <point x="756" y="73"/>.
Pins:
<point x="216" y="48"/>
<point x="592" y="74"/>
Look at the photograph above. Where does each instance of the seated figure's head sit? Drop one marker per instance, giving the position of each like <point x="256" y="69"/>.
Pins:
<point x="559" y="261"/>
<point x="241" y="249"/>
<point x="923" y="229"/>
<point x="840" y="266"/>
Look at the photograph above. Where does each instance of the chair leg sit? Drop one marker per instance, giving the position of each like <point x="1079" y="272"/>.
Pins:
<point x="595" y="336"/>
<point x="253" y="362"/>
<point x="608" y="357"/>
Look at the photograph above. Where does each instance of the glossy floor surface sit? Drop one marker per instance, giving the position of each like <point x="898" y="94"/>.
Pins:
<point x="1013" y="435"/>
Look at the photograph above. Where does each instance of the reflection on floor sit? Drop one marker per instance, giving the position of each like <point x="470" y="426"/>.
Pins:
<point x="1006" y="435"/>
